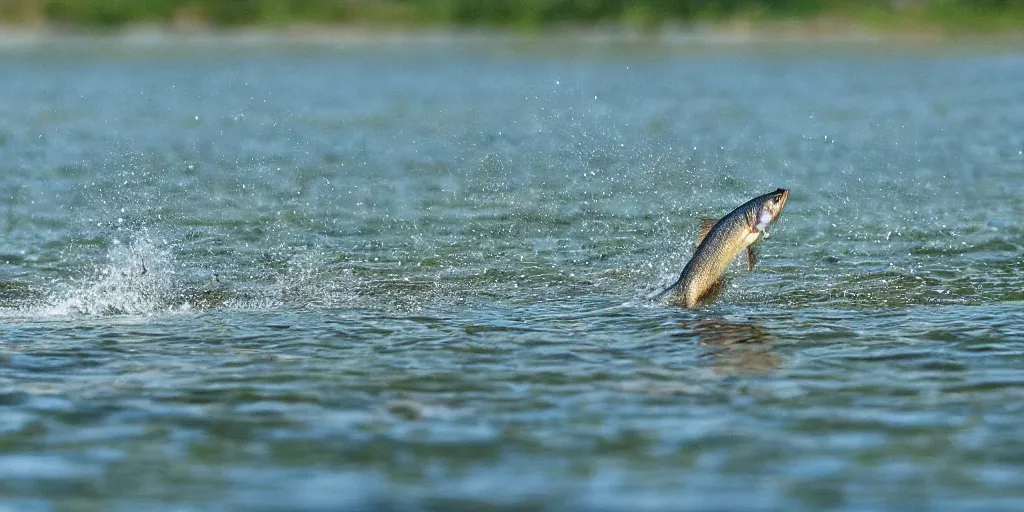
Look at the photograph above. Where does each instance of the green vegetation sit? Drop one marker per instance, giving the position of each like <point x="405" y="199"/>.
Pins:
<point x="972" y="15"/>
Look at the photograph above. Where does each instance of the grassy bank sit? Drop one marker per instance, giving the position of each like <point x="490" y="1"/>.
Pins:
<point x="944" y="15"/>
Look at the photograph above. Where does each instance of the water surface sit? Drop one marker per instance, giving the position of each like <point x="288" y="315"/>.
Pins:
<point x="257" y="274"/>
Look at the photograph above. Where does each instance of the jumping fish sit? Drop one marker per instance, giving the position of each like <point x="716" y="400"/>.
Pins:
<point x="719" y="243"/>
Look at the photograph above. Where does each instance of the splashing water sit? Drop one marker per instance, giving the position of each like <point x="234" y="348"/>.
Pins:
<point x="137" y="279"/>
<point x="411" y="276"/>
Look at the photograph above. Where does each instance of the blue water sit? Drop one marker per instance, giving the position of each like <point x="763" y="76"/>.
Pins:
<point x="365" y="275"/>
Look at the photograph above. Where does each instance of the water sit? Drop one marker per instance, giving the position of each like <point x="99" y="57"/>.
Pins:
<point x="261" y="274"/>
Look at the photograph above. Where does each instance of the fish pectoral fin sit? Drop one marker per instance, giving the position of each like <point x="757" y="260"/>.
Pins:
<point x="705" y="226"/>
<point x="751" y="257"/>
<point x="662" y="293"/>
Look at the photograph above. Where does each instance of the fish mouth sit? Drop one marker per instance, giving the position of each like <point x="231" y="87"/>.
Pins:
<point x="780" y="196"/>
<point x="782" y="199"/>
<point x="772" y="210"/>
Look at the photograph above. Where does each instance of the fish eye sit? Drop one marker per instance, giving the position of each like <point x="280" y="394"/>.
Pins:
<point x="775" y="200"/>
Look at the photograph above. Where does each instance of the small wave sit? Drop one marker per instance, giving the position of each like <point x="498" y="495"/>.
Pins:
<point x="306" y="279"/>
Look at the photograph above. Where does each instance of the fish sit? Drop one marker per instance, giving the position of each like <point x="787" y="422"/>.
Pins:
<point x="719" y="243"/>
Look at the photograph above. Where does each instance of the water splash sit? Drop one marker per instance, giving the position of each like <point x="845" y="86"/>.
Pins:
<point x="138" y="278"/>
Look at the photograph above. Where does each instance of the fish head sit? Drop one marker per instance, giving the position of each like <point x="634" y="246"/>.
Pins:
<point x="770" y="207"/>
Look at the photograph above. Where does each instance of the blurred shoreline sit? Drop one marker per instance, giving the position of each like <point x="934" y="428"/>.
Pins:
<point x="704" y="33"/>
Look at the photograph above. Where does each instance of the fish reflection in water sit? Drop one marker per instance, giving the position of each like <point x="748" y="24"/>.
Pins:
<point x="736" y="347"/>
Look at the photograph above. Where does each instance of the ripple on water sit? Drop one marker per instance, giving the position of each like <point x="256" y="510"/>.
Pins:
<point x="298" y="276"/>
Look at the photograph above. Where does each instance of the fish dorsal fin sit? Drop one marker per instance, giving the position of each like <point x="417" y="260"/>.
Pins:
<point x="705" y="226"/>
<point x="751" y="257"/>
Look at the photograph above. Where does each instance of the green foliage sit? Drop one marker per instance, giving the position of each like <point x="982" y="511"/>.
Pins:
<point x="109" y="12"/>
<point x="949" y="14"/>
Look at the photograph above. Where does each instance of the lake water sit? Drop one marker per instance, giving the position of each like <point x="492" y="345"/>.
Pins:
<point x="257" y="274"/>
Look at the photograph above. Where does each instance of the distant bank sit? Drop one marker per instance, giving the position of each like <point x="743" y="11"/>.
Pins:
<point x="808" y="17"/>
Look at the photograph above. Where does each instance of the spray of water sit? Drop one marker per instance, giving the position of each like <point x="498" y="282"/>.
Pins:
<point x="137" y="278"/>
